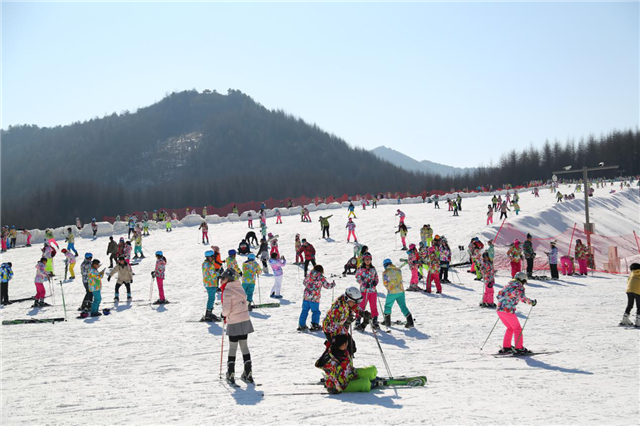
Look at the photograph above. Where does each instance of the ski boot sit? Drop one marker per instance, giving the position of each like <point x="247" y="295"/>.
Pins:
<point x="303" y="328"/>
<point x="409" y="323"/>
<point x="315" y="327"/>
<point x="96" y="314"/>
<point x="36" y="303"/>
<point x="483" y="305"/>
<point x="361" y="326"/>
<point x="521" y="351"/>
<point x="116" y="298"/>
<point x="491" y="305"/>
<point x="377" y="382"/>
<point x="505" y="350"/>
<point x="129" y="298"/>
<point x="231" y="366"/>
<point x="626" y="320"/>
<point x="247" y="375"/>
<point x="387" y="320"/>
<point x="374" y="324"/>
<point x="250" y="307"/>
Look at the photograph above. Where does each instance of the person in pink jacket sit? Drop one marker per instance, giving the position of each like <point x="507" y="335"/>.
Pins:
<point x="235" y="311"/>
<point x="352" y="230"/>
<point x="41" y="275"/>
<point x="158" y="274"/>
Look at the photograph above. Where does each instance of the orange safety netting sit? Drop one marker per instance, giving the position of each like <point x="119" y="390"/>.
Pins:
<point x="605" y="249"/>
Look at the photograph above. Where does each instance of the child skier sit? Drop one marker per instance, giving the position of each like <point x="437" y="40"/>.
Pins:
<point x="582" y="255"/>
<point x="414" y="261"/>
<point x="351" y="230"/>
<point x="309" y="255"/>
<point x="633" y="294"/>
<point x="276" y="266"/>
<point x="48" y="253"/>
<point x="504" y="209"/>
<point x="273" y="241"/>
<point x="298" y="246"/>
<point x="489" y="215"/>
<point x="210" y="281"/>
<point x="508" y="299"/>
<point x="341" y="314"/>
<point x="71" y="262"/>
<point x="401" y="214"/>
<point x="392" y="280"/>
<point x="445" y="259"/>
<point x="433" y="260"/>
<point x="278" y="217"/>
<point x="125" y="276"/>
<point x="313" y="284"/>
<point x="168" y="226"/>
<point x="515" y="256"/>
<point x="94" y="278"/>
<point x="70" y="239"/>
<point x="235" y="311"/>
<point x="352" y="211"/>
<point x="158" y="274"/>
<point x="137" y="238"/>
<point x="205" y="232"/>
<point x="529" y="254"/>
<point x="232" y="263"/>
<point x="41" y="276"/>
<point x="263" y="254"/>
<point x="402" y="229"/>
<point x="553" y="261"/>
<point x="145" y="228"/>
<point x="94" y="228"/>
<point x="488" y="274"/>
<point x="6" y="273"/>
<point x="50" y="238"/>
<point x="367" y="277"/>
<point x="249" y="220"/>
<point x="250" y="272"/>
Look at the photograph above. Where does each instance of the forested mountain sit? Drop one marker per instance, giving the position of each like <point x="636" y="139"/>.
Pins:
<point x="425" y="166"/>
<point x="195" y="149"/>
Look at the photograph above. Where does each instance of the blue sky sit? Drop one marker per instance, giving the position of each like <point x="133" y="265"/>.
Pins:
<point x="455" y="83"/>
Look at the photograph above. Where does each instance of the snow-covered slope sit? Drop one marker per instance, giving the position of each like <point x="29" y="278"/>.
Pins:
<point x="149" y="365"/>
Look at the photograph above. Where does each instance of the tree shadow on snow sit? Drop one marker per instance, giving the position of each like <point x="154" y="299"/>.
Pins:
<point x="530" y="284"/>
<point x="532" y="362"/>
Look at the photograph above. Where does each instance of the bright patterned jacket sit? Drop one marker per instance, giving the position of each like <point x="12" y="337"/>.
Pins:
<point x="71" y="258"/>
<point x="277" y="265"/>
<point x="41" y="273"/>
<point x="527" y="248"/>
<point x="84" y="270"/>
<point x="367" y="278"/>
<point x="510" y="295"/>
<point x="313" y="285"/>
<point x="491" y="251"/>
<point x="339" y="371"/>
<point x="70" y="238"/>
<point x="351" y="226"/>
<point x="47" y="252"/>
<point x="138" y="240"/>
<point x="553" y="256"/>
<point x="582" y="251"/>
<point x="209" y="274"/>
<point x="160" y="267"/>
<point x="488" y="272"/>
<point x="250" y="270"/>
<point x="413" y="259"/>
<point x="5" y="273"/>
<point x="392" y="279"/>
<point x="335" y="321"/>
<point x="514" y="253"/>
<point x="95" y="280"/>
<point x="434" y="262"/>
<point x="127" y="251"/>
<point x="445" y="254"/>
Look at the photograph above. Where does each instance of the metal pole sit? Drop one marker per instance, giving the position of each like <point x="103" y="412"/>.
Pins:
<point x="494" y="326"/>
<point x="586" y="206"/>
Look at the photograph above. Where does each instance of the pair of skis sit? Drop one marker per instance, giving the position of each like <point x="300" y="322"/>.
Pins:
<point x="33" y="321"/>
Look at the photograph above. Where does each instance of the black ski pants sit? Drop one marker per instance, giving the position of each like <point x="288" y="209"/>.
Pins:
<point x="444" y="271"/>
<point x="126" y="284"/>
<point x="4" y="294"/>
<point x="554" y="270"/>
<point x="88" y="297"/>
<point x="503" y="215"/>
<point x="306" y="264"/>
<point x="325" y="230"/>
<point x="529" y="265"/>
<point x="630" y="298"/>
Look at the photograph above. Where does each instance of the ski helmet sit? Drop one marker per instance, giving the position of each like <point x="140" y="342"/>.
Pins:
<point x="353" y="294"/>
<point x="88" y="255"/>
<point x="209" y="253"/>
<point x="412" y="246"/>
<point x="158" y="253"/>
<point x="367" y="255"/>
<point x="251" y="256"/>
<point x="232" y="252"/>
<point x="521" y="276"/>
<point x="229" y="273"/>
<point x="386" y="262"/>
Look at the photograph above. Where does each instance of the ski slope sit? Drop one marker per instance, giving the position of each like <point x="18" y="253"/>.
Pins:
<point x="149" y="365"/>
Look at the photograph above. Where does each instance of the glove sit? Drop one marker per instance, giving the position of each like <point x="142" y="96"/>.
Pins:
<point x="534" y="302"/>
<point x="490" y="285"/>
<point x="108" y="278"/>
<point x="349" y="320"/>
<point x="366" y="315"/>
<point x="153" y="274"/>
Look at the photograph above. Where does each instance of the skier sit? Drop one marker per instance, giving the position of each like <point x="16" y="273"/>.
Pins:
<point x="273" y="241"/>
<point x="401" y="214"/>
<point x="445" y="259"/>
<point x="494" y="202"/>
<point x="145" y="228"/>
<point x="392" y="280"/>
<point x="168" y="225"/>
<point x="6" y="273"/>
<point x="508" y="299"/>
<point x="249" y="220"/>
<point x="559" y="197"/>
<point x="516" y="207"/>
<point x="433" y="261"/>
<point x="48" y="253"/>
<point x="488" y="274"/>
<point x="515" y="256"/>
<point x="28" y="235"/>
<point x="633" y="293"/>
<point x="251" y="238"/>
<point x="553" y="260"/>
<point x="263" y="254"/>
<point x="127" y="251"/>
<point x="243" y="247"/>
<point x="137" y="238"/>
<point x="307" y="218"/>
<point x="210" y="280"/>
<point x="263" y="231"/>
<point x="367" y="277"/>
<point x="298" y="246"/>
<point x="436" y="198"/>
<point x="232" y="263"/>
<point x="13" y="235"/>
<point x="490" y="215"/>
<point x="459" y="202"/>
<point x="94" y="228"/>
<point x="112" y="250"/>
<point x="277" y="265"/>
<point x="250" y="272"/>
<point x="324" y="226"/>
<point x="278" y="217"/>
<point x="455" y="209"/>
<point x="235" y="311"/>
<point x="41" y="276"/>
<point x="504" y="209"/>
<point x="309" y="255"/>
<point x="529" y="255"/>
<point x="132" y="226"/>
<point x="205" y="232"/>
<point x="158" y="274"/>
<point x="414" y="261"/>
<point x="402" y="229"/>
<point x="84" y="270"/>
<point x="352" y="210"/>
<point x="70" y="262"/>
<point x="4" y="235"/>
<point x="582" y="255"/>
<point x="311" y="299"/>
<point x="204" y="213"/>
<point x="352" y="230"/>
<point x="94" y="279"/>
<point x="125" y="276"/>
<point x="341" y="314"/>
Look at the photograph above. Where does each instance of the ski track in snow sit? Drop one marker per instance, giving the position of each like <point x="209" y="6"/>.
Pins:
<point x="147" y="365"/>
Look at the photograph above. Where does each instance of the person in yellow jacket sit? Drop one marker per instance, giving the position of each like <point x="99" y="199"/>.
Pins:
<point x="633" y="294"/>
<point x="392" y="280"/>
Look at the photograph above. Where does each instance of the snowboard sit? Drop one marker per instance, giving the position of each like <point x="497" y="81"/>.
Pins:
<point x="32" y="321"/>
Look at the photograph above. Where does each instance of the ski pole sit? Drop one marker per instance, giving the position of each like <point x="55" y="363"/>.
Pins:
<point x="64" y="305"/>
<point x="151" y="288"/>
<point x="524" y="325"/>
<point x="384" y="359"/>
<point x="224" y="327"/>
<point x="494" y="326"/>
<point x="259" y="293"/>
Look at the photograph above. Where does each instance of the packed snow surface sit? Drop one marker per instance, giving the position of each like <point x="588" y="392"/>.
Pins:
<point x="145" y="364"/>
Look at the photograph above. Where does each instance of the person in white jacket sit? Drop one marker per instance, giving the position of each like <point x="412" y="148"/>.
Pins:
<point x="235" y="311"/>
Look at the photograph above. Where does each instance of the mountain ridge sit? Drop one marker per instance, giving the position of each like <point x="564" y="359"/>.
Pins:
<point x="425" y="166"/>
